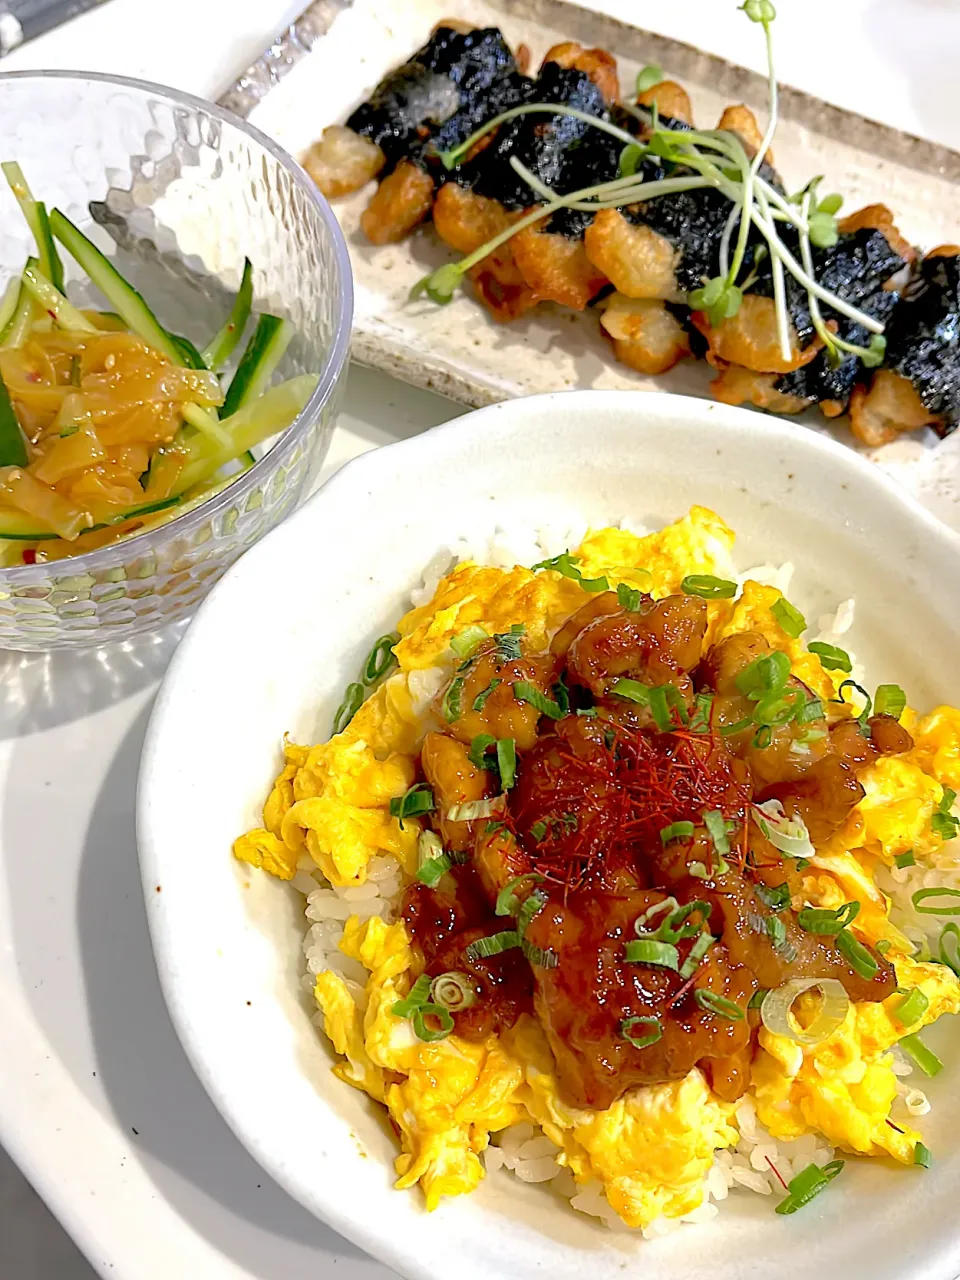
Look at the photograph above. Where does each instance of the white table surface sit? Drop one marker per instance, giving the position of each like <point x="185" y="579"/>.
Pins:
<point x="99" y="1107"/>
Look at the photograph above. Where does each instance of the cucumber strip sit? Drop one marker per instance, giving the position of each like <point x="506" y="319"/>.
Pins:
<point x="35" y="213"/>
<point x="13" y="447"/>
<point x="207" y="422"/>
<point x="122" y="296"/>
<point x="257" y="364"/>
<point x="191" y="357"/>
<point x="16" y="527"/>
<point x="53" y="301"/>
<point x="274" y="411"/>
<point x="18" y="326"/>
<point x="220" y="348"/>
<point x="8" y="303"/>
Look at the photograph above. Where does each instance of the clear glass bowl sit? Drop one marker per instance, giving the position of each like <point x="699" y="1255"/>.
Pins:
<point x="177" y="192"/>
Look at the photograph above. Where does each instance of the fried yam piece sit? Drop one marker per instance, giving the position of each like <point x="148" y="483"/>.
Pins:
<point x="465" y="220"/>
<point x="556" y="267"/>
<point x="342" y="161"/>
<point x="749" y="338"/>
<point x="402" y="201"/>
<point x="639" y="262"/>
<point x="646" y="335"/>
<point x="671" y="100"/>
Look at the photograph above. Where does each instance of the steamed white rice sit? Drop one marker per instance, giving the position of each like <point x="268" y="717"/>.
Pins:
<point x="759" y="1163"/>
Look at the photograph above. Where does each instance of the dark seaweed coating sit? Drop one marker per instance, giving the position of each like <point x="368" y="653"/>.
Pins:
<point x="452" y="85"/>
<point x="566" y="154"/>
<point x="923" y="341"/>
<point x="855" y="269"/>
<point x="693" y="221"/>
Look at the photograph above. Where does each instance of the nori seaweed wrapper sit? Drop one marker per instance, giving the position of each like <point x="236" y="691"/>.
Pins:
<point x="693" y="221"/>
<point x="855" y="269"/>
<point x="923" y="340"/>
<point x="564" y="153"/>
<point x="446" y="91"/>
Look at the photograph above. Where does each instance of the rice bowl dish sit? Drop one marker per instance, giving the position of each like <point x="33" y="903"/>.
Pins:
<point x="490" y="1087"/>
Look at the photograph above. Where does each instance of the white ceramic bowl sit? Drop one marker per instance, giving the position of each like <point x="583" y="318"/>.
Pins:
<point x="271" y="651"/>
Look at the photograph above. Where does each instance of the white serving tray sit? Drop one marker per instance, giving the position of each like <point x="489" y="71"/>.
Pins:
<point x="337" y="51"/>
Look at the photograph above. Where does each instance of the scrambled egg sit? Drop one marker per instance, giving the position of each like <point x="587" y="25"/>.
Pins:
<point x="651" y="1150"/>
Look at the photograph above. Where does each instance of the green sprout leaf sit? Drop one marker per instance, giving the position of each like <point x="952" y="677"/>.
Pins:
<point x="872" y="355"/>
<point x="630" y="158"/>
<point x="830" y="204"/>
<point x="441" y="285"/>
<point x="823" y="230"/>
<point x="718" y="298"/>
<point x="759" y="10"/>
<point x="648" y="76"/>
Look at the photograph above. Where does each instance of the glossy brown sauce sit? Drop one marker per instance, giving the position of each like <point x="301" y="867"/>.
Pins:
<point x="593" y="793"/>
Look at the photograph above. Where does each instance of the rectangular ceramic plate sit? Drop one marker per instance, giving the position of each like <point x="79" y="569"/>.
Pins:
<point x="335" y="53"/>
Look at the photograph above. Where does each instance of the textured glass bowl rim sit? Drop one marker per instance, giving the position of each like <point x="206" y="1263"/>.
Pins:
<point x="235" y="493"/>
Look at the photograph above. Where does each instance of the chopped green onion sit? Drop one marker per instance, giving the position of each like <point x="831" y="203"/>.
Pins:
<point x="493" y="945"/>
<point x="812" y="1180"/>
<point x="717" y="830"/>
<point x="720" y="1005"/>
<point x="912" y="1007"/>
<point x="629" y="597"/>
<point x="830" y="923"/>
<point x="950" y="930"/>
<point x="664" y="907"/>
<point x="466" y="642"/>
<point x="890" y="701"/>
<point x="812" y="709"/>
<point x="419" y="994"/>
<point x="453" y="991"/>
<point x="565" y="564"/>
<point x="789" y="835"/>
<point x="925" y="1058"/>
<point x="380" y="659"/>
<point x="429" y="1034"/>
<point x="857" y="955"/>
<point x="649" y="1036"/>
<point x="943" y="823"/>
<point x="471" y="810"/>
<point x="414" y="802"/>
<point x="508" y="904"/>
<point x="882" y="946"/>
<point x="776" y="898"/>
<point x="676" y="925"/>
<point x="510" y="643"/>
<point x="702" y="711"/>
<point x="765" y="675"/>
<point x="756" y="1000"/>
<point x="907" y="859"/>
<point x="921" y="1156"/>
<point x="708" y="587"/>
<point x="791" y="620"/>
<point x="831" y="658"/>
<point x="648" y="76"/>
<point x="659" y="709"/>
<point x="632" y="690"/>
<point x="532" y="907"/>
<point x="696" y="953"/>
<point x="431" y="872"/>
<point x="776" y="931"/>
<point x="481" y="698"/>
<point x="348" y="708"/>
<point x="452" y="700"/>
<point x="728" y="730"/>
<point x="777" y="1005"/>
<point x="650" y="951"/>
<point x="524" y="691"/>
<point x="867" y="703"/>
<point x="922" y="895"/>
<point x="538" y="831"/>
<point x="546" y="959"/>
<point x="562" y="695"/>
<point x="507" y="762"/>
<point x="478" y="748"/>
<point x="676" y="831"/>
<point x="774" y="710"/>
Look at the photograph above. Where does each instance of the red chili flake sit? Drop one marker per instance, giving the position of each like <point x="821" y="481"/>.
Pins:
<point x="29" y="556"/>
<point x="777" y="1172"/>
<point x="894" y="1126"/>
